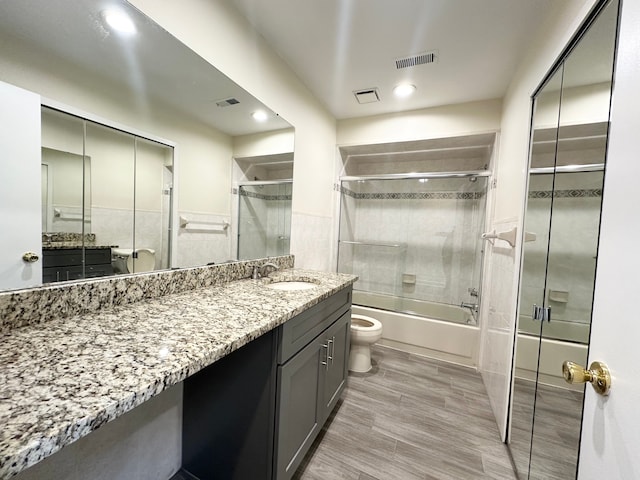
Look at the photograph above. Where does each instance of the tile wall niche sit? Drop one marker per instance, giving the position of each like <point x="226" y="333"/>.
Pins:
<point x="36" y="305"/>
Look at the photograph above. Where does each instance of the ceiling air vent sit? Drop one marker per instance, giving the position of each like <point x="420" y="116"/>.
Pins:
<point x="368" y="95"/>
<point x="227" y="102"/>
<point x="419" y="59"/>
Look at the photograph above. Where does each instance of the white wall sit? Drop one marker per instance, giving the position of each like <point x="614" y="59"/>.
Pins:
<point x="499" y="304"/>
<point x="437" y="122"/>
<point x="266" y="143"/>
<point x="209" y="28"/>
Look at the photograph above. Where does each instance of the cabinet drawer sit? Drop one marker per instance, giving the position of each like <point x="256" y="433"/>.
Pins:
<point x="303" y="328"/>
<point x="73" y="256"/>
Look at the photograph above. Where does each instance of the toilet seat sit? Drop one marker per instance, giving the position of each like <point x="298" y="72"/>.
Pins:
<point x="364" y="328"/>
<point x="363" y="323"/>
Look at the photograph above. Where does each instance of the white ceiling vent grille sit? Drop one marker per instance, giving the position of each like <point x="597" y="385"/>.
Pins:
<point x="227" y="102"/>
<point x="368" y="95"/>
<point x="414" y="60"/>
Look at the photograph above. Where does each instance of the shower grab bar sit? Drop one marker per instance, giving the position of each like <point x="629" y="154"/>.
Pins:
<point x="402" y="176"/>
<point x="371" y="244"/>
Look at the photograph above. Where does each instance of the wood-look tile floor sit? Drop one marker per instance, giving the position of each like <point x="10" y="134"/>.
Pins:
<point x="553" y="447"/>
<point x="410" y="418"/>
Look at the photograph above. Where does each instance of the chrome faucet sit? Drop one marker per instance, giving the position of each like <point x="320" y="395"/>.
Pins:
<point x="266" y="266"/>
<point x="261" y="271"/>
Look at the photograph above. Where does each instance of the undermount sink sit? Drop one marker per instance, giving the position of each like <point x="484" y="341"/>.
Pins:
<point x="290" y="286"/>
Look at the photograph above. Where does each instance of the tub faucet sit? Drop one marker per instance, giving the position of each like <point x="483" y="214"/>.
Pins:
<point x="470" y="306"/>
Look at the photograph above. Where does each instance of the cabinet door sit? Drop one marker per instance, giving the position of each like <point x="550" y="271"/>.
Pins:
<point x="299" y="406"/>
<point x="334" y="373"/>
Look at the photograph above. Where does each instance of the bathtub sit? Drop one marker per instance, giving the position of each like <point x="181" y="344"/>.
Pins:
<point x="422" y="329"/>
<point x="553" y="350"/>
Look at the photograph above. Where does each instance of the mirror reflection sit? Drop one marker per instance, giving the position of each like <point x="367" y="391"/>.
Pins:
<point x="112" y="189"/>
<point x="103" y="201"/>
<point x="566" y="175"/>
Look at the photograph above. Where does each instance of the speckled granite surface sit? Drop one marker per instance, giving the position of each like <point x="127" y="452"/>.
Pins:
<point x="72" y="245"/>
<point x="63" y="378"/>
<point x="62" y="299"/>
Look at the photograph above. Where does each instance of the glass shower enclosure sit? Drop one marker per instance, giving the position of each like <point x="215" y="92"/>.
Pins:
<point x="264" y="219"/>
<point x="414" y="241"/>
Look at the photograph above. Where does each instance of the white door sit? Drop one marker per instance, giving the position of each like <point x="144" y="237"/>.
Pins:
<point x="610" y="446"/>
<point x="20" y="196"/>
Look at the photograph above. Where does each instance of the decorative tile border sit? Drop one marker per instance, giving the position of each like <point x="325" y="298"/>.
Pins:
<point x="414" y="195"/>
<point x="584" y="193"/>
<point x="244" y="193"/>
<point x="37" y="305"/>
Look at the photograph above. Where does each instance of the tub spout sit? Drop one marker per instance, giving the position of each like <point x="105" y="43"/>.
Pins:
<point x="470" y="306"/>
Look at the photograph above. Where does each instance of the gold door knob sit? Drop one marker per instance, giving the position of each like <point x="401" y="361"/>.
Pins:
<point x="30" y="257"/>
<point x="598" y="375"/>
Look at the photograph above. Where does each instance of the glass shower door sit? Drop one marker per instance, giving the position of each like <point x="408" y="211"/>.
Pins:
<point x="414" y="242"/>
<point x="264" y="219"/>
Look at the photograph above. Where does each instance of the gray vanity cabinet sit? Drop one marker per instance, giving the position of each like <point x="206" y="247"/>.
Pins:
<point x="255" y="413"/>
<point x="309" y="379"/>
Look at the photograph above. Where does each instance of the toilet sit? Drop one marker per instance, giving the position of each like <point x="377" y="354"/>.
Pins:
<point x="365" y="331"/>
<point x="123" y="261"/>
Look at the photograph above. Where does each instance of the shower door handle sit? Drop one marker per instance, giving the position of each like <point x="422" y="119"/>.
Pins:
<point x="537" y="312"/>
<point x="546" y="314"/>
<point x="541" y="313"/>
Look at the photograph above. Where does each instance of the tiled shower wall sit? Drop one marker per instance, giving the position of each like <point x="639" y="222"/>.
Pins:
<point x="413" y="240"/>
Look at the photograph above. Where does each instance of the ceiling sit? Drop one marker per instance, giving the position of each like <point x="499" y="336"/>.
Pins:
<point x="151" y="71"/>
<point x="339" y="46"/>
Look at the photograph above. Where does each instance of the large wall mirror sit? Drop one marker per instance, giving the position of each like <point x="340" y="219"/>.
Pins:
<point x="151" y="183"/>
<point x="570" y="126"/>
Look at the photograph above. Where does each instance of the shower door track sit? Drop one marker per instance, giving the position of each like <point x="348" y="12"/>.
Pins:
<point x="592" y="167"/>
<point x="256" y="183"/>
<point x="403" y="176"/>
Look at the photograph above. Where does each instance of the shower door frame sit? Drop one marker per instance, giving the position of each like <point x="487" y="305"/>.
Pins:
<point x="488" y="173"/>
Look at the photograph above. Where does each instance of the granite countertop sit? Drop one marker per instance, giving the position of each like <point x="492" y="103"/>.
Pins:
<point x="62" y="379"/>
<point x="72" y="245"/>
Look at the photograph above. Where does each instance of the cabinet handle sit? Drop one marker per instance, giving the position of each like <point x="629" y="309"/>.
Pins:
<point x="332" y="344"/>
<point x="325" y="362"/>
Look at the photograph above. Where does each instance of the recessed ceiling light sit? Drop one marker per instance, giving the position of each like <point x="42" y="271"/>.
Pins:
<point x="259" y="116"/>
<point x="119" y="21"/>
<point x="404" y="90"/>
